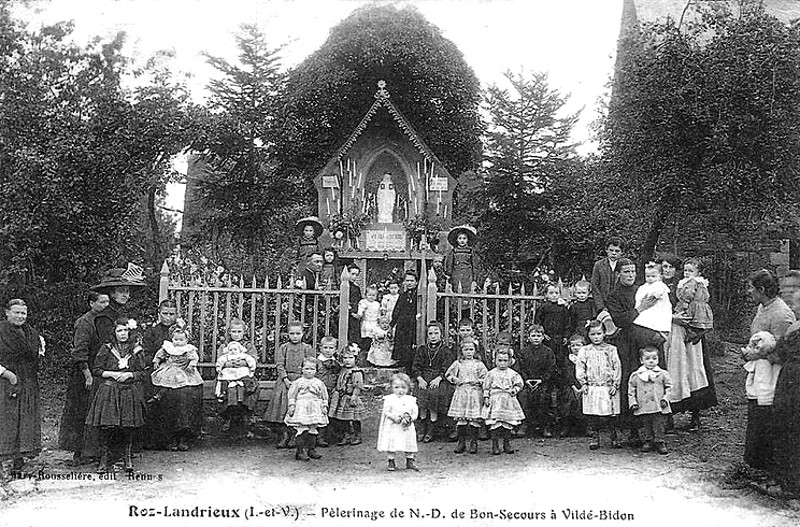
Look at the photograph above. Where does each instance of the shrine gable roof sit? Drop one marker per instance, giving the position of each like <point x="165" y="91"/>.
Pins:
<point x="382" y="100"/>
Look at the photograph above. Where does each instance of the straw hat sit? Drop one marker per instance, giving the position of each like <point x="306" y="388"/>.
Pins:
<point x="309" y="220"/>
<point x="118" y="277"/>
<point x="469" y="230"/>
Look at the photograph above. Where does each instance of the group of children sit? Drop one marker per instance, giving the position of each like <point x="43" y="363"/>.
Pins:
<point x="558" y="382"/>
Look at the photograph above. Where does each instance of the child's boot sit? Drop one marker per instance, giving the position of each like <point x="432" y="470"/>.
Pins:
<point x="391" y="467"/>
<point x="496" y="442"/>
<point x="348" y="434"/>
<point x="322" y="438"/>
<point x="473" y="439"/>
<point x="461" y="447"/>
<point x="452" y="437"/>
<point x="284" y="440"/>
<point x="507" y="448"/>
<point x="615" y="440"/>
<point x="694" y="424"/>
<point x="311" y="443"/>
<point x="411" y="464"/>
<point x="129" y="453"/>
<point x="422" y="429"/>
<point x="292" y="439"/>
<point x="103" y="465"/>
<point x="430" y="430"/>
<point x="661" y="448"/>
<point x="301" y="454"/>
<point x="483" y="433"/>
<point x="356" y="440"/>
<point x="594" y="444"/>
<point x="647" y="446"/>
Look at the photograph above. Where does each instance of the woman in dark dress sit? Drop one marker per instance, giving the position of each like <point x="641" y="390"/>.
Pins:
<point x="20" y="422"/>
<point x="155" y="433"/>
<point x="786" y="405"/>
<point x="85" y="344"/>
<point x="404" y="323"/>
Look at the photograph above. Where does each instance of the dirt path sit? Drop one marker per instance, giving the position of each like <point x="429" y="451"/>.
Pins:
<point x="549" y="477"/>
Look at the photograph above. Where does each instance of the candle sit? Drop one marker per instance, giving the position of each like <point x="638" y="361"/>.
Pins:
<point x="445" y="210"/>
<point x="341" y="169"/>
<point x="406" y="209"/>
<point x="328" y="203"/>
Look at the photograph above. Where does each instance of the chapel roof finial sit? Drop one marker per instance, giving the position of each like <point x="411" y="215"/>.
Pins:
<point x="382" y="92"/>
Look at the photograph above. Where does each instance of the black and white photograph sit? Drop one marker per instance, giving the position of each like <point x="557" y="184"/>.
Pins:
<point x="400" y="262"/>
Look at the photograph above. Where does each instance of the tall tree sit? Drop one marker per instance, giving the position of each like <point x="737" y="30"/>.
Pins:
<point x="247" y="197"/>
<point x="702" y="126"/>
<point x="427" y="76"/>
<point x="528" y="146"/>
<point x="76" y="155"/>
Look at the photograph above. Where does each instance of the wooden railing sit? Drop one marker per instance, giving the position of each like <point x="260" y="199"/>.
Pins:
<point x="265" y="308"/>
<point x="490" y="309"/>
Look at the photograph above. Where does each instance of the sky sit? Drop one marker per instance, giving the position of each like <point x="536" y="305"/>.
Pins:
<point x="574" y="41"/>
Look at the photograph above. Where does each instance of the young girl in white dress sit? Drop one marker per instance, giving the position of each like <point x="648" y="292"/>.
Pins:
<point x="369" y="310"/>
<point x="308" y="410"/>
<point x="501" y="410"/>
<point x="396" y="432"/>
<point x="599" y="372"/>
<point x="467" y="374"/>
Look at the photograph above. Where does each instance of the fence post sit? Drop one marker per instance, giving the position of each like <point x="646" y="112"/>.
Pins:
<point x="163" y="283"/>
<point x="344" y="307"/>
<point x="430" y="303"/>
<point x="422" y="293"/>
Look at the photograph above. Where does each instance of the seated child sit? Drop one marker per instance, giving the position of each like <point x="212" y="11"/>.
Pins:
<point x="235" y="371"/>
<point x="175" y="364"/>
<point x="380" y="351"/>
<point x="307" y="410"/>
<point x="648" y="389"/>
<point x="659" y="316"/>
<point x="536" y="363"/>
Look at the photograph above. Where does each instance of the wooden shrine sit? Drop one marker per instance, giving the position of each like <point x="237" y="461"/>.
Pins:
<point x="385" y="174"/>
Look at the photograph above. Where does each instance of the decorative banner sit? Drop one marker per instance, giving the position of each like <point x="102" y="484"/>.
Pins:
<point x="330" y="182"/>
<point x="438" y="183"/>
<point x="385" y="240"/>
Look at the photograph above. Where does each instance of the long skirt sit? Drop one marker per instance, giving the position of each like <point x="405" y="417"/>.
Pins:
<point x="73" y="418"/>
<point x="182" y="411"/>
<point x="435" y="400"/>
<point x="20" y="423"/>
<point x="787" y="425"/>
<point x="691" y="373"/>
<point x="759" y="438"/>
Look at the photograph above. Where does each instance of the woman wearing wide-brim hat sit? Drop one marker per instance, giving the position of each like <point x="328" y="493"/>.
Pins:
<point x="118" y="284"/>
<point x="309" y="229"/>
<point x="462" y="264"/>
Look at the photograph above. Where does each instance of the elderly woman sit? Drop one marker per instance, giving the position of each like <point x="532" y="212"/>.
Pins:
<point x="20" y="348"/>
<point x="688" y="364"/>
<point x="776" y="317"/>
